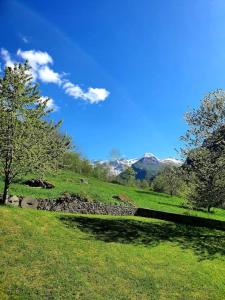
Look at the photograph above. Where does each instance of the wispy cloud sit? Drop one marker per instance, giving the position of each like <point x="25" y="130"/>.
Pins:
<point x="24" y="39"/>
<point x="50" y="103"/>
<point x="41" y="64"/>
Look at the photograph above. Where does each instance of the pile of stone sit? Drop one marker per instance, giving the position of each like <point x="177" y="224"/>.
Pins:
<point x="76" y="205"/>
<point x="72" y="204"/>
<point x="39" y="183"/>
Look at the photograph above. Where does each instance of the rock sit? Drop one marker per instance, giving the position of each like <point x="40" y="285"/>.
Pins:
<point x="83" y="181"/>
<point x="13" y="200"/>
<point x="29" y="202"/>
<point x="39" y="183"/>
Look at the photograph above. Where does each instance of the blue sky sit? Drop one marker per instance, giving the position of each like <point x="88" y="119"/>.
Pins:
<point x="121" y="73"/>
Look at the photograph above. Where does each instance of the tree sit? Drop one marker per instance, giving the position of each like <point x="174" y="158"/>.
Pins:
<point x="144" y="184"/>
<point x="102" y="172"/>
<point x="128" y="176"/>
<point x="72" y="161"/>
<point x="168" y="181"/>
<point x="205" y="151"/>
<point x="28" y="142"/>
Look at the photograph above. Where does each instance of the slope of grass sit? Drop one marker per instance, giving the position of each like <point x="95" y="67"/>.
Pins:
<point x="48" y="255"/>
<point x="66" y="181"/>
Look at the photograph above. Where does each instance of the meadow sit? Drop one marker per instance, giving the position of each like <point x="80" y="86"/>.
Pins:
<point x="46" y="255"/>
<point x="69" y="182"/>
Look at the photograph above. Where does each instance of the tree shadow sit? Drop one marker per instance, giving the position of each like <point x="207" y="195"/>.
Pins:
<point x="188" y="208"/>
<point x="174" y="205"/>
<point x="153" y="194"/>
<point x="206" y="244"/>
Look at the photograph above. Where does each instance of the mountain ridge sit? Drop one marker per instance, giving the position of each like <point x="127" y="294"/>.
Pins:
<point x="145" y="167"/>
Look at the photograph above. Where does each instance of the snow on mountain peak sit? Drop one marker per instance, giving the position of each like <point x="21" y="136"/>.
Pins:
<point x="118" y="166"/>
<point x="170" y="160"/>
<point x="148" y="154"/>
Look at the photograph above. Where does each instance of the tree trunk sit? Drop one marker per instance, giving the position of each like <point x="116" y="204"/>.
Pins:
<point x="6" y="189"/>
<point x="209" y="207"/>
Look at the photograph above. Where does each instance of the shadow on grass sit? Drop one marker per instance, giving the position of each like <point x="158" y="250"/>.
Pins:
<point x="206" y="244"/>
<point x="174" y="205"/>
<point x="153" y="194"/>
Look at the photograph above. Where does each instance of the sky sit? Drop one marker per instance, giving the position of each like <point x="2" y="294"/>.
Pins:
<point x="120" y="74"/>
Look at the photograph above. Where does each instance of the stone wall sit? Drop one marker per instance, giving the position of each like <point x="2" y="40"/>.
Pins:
<point x="180" y="218"/>
<point x="76" y="205"/>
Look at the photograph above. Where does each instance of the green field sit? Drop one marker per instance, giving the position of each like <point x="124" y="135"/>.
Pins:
<point x="46" y="255"/>
<point x="66" y="181"/>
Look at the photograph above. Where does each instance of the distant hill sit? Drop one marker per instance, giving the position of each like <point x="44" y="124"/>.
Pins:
<point x="145" y="167"/>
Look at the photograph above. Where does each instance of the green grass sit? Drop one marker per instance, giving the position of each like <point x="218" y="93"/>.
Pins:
<point x="46" y="255"/>
<point x="103" y="191"/>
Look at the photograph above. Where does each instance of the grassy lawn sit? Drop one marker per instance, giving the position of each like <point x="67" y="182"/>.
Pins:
<point x="63" y="256"/>
<point x="103" y="191"/>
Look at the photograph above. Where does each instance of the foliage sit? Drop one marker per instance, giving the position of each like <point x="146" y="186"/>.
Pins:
<point x="102" y="172"/>
<point x="143" y="184"/>
<point x="73" y="161"/>
<point x="28" y="143"/>
<point x="128" y="176"/>
<point x="205" y="151"/>
<point x="169" y="181"/>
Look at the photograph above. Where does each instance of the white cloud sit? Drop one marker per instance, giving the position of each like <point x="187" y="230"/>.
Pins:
<point x="35" y="58"/>
<point x="50" y="103"/>
<point x="93" y="95"/>
<point x="73" y="90"/>
<point x="39" y="61"/>
<point x="7" y="58"/>
<point x="46" y="74"/>
<point x="40" y="69"/>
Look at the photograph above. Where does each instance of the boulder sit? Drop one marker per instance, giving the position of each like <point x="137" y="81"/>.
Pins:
<point x="29" y="202"/>
<point x="39" y="183"/>
<point x="83" y="180"/>
<point x="13" y="200"/>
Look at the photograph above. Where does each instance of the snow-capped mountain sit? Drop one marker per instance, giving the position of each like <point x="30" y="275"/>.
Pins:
<point x="171" y="161"/>
<point x="145" y="167"/>
<point x="116" y="166"/>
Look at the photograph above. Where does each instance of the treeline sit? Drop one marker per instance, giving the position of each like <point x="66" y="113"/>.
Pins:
<point x="74" y="161"/>
<point x="167" y="181"/>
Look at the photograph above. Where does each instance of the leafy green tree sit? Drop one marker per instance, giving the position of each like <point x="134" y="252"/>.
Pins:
<point x="86" y="167"/>
<point x="72" y="161"/>
<point x="169" y="181"/>
<point x="205" y="151"/>
<point x="28" y="142"/>
<point x="144" y="184"/>
<point x="102" y="172"/>
<point x="128" y="176"/>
